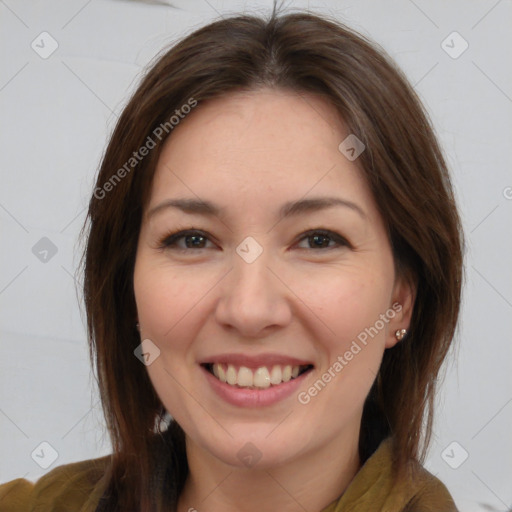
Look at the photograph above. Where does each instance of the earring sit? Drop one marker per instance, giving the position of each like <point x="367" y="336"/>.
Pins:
<point x="400" y="334"/>
<point x="137" y="325"/>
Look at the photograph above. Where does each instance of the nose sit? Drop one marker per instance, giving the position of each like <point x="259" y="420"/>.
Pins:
<point x="254" y="300"/>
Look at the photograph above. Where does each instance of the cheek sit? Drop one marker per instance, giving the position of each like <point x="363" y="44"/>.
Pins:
<point x="165" y="297"/>
<point x="166" y="301"/>
<point x="348" y="303"/>
<point x="349" y="307"/>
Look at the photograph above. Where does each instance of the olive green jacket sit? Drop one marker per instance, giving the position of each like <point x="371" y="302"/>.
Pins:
<point x="77" y="487"/>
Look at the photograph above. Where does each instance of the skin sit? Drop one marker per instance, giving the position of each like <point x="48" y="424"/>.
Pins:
<point x="249" y="152"/>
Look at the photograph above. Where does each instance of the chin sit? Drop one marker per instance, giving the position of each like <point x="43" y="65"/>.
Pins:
<point x="255" y="447"/>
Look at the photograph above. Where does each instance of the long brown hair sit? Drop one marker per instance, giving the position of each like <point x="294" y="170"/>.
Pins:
<point x="402" y="164"/>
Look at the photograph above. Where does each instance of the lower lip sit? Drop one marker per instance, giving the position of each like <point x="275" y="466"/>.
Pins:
<point x="242" y="397"/>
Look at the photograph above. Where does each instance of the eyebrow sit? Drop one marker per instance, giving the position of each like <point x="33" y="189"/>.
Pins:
<point x="300" y="207"/>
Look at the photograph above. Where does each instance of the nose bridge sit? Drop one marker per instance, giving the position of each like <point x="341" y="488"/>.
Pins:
<point x="251" y="279"/>
<point x="252" y="297"/>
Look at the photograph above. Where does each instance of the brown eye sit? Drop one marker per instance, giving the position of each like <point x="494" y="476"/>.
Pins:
<point x="193" y="240"/>
<point x="321" y="239"/>
<point x="190" y="239"/>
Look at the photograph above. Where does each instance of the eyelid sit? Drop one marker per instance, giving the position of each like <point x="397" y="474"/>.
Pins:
<point x="172" y="237"/>
<point x="336" y="237"/>
<point x="168" y="242"/>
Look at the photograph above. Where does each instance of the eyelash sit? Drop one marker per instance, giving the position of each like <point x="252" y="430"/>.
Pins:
<point x="170" y="239"/>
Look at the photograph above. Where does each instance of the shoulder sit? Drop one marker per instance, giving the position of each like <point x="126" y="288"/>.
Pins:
<point x="430" y="494"/>
<point x="75" y="486"/>
<point x="418" y="490"/>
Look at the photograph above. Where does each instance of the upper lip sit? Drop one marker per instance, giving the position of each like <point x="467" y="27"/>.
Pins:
<point x="256" y="361"/>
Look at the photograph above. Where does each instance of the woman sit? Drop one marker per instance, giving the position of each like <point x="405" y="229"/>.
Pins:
<point x="272" y="282"/>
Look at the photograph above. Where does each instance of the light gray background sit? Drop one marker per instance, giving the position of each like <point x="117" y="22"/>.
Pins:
<point x="56" y="114"/>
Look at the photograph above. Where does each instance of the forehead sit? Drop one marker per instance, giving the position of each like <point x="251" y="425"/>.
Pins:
<point x="256" y="122"/>
<point x="256" y="147"/>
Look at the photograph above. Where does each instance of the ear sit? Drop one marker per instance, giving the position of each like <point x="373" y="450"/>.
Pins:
<point x="402" y="303"/>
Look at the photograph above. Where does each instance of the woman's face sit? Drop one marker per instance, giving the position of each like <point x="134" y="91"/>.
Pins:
<point x="269" y="320"/>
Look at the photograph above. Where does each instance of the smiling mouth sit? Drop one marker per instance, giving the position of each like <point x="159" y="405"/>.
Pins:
<point x="262" y="377"/>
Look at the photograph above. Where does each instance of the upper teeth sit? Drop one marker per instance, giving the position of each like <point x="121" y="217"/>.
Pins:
<point x="260" y="378"/>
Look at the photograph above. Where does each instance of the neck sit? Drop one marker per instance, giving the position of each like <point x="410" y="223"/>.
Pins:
<point x="310" y="482"/>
